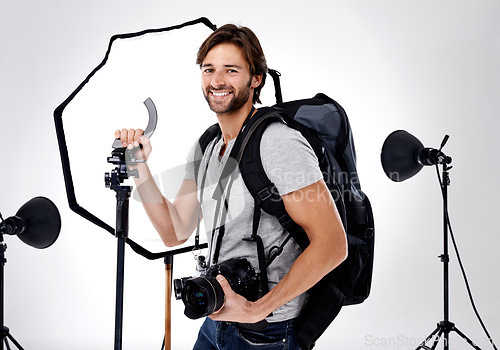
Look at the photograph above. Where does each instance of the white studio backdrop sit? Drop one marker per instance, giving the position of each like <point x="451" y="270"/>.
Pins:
<point x="429" y="67"/>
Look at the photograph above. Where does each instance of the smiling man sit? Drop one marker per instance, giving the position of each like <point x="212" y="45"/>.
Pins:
<point x="227" y="86"/>
<point x="231" y="79"/>
<point x="233" y="72"/>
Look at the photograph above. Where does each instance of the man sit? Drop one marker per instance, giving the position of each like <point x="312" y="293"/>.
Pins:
<point x="233" y="71"/>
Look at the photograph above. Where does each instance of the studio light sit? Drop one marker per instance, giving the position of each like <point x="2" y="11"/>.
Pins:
<point x="403" y="155"/>
<point x="37" y="223"/>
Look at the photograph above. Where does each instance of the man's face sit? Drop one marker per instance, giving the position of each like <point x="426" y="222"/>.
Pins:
<point x="226" y="80"/>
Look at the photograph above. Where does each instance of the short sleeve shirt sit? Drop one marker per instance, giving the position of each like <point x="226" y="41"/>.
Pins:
<point x="290" y="163"/>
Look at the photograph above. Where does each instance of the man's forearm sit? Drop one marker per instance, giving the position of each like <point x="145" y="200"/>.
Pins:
<point x="311" y="266"/>
<point x="327" y="249"/>
<point x="161" y="212"/>
<point x="314" y="210"/>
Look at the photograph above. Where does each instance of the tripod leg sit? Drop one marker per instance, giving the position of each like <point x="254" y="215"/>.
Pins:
<point x="426" y="341"/>
<point x="11" y="338"/>
<point x="464" y="337"/>
<point x="436" y="341"/>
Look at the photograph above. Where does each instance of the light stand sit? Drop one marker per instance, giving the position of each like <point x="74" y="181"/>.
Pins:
<point x="5" y="331"/>
<point x="445" y="327"/>
<point x="37" y="223"/>
<point x="403" y="156"/>
<point x="113" y="182"/>
<point x="122" y="204"/>
<point x="122" y="157"/>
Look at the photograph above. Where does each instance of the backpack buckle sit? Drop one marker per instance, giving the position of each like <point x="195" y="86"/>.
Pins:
<point x="285" y="220"/>
<point x="264" y="194"/>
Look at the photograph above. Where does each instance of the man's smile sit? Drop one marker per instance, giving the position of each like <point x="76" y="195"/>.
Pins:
<point x="220" y="94"/>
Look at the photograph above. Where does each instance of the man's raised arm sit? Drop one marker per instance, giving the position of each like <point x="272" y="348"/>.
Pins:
<point x="174" y="221"/>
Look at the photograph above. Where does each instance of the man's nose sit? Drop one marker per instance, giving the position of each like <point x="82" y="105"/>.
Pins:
<point x="217" y="80"/>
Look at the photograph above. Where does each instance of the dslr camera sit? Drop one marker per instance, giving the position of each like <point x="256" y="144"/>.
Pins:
<point x="203" y="295"/>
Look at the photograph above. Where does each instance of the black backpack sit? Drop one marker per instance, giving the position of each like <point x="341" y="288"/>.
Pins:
<point x="324" y="123"/>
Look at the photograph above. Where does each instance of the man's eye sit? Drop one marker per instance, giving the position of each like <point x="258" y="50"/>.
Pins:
<point x="208" y="70"/>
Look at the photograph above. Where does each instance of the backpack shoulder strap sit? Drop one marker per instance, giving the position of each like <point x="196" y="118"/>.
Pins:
<point x="258" y="183"/>
<point x="210" y="134"/>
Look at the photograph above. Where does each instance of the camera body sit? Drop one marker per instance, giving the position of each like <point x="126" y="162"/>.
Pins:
<point x="203" y="295"/>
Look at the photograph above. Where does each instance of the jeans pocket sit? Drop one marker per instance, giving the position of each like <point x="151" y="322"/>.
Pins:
<point x="275" y="339"/>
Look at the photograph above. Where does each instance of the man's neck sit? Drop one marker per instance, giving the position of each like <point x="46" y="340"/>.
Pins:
<point x="232" y="122"/>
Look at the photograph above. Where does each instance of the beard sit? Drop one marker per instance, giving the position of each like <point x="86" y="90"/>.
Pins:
<point x="238" y="99"/>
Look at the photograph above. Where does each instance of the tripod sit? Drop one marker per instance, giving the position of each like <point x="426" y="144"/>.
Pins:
<point x="445" y="327"/>
<point x="113" y="181"/>
<point x="5" y="333"/>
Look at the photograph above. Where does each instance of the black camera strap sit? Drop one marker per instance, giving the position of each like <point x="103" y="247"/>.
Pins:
<point x="224" y="185"/>
<point x="261" y="254"/>
<point x="218" y="196"/>
<point x="203" y="181"/>
<point x="222" y="194"/>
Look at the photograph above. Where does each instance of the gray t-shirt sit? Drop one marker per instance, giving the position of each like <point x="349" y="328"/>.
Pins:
<point x="290" y="164"/>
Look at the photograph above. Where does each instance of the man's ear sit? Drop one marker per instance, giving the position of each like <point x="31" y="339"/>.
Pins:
<point x="256" y="81"/>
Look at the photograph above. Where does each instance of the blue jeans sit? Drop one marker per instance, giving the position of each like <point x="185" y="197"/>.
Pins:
<point x="215" y="335"/>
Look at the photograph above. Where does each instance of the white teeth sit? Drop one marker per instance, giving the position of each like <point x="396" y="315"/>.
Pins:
<point x="219" y="94"/>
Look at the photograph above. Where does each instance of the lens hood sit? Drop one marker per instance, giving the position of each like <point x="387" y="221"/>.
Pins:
<point x="202" y="296"/>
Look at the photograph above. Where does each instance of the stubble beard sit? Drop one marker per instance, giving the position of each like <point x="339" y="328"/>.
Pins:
<point x="237" y="101"/>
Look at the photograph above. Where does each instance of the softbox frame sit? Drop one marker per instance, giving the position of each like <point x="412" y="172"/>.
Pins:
<point x="63" y="149"/>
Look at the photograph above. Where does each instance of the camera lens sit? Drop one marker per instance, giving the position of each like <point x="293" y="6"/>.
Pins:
<point x="196" y="298"/>
<point x="202" y="296"/>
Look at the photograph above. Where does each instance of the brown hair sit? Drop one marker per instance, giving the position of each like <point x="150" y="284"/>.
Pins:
<point x="247" y="40"/>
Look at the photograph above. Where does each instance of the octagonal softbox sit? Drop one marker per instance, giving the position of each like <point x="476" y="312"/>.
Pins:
<point x="155" y="67"/>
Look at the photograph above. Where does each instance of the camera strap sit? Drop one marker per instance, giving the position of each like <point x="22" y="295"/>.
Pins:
<point x="261" y="253"/>
<point x="222" y="185"/>
<point x="203" y="181"/>
<point x="218" y="196"/>
<point x="222" y="193"/>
